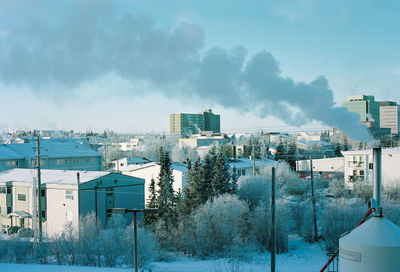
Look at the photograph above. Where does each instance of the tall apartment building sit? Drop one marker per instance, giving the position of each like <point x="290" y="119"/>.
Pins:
<point x="390" y="116"/>
<point x="187" y="124"/>
<point x="366" y="107"/>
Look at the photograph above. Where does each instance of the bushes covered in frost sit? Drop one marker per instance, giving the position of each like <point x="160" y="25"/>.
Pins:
<point x="91" y="245"/>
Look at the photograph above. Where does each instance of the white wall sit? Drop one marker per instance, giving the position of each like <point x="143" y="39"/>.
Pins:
<point x="61" y="210"/>
<point x="323" y="165"/>
<point x="390" y="166"/>
<point x="152" y="171"/>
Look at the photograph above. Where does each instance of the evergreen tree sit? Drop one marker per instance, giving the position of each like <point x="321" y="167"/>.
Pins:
<point x="280" y="151"/>
<point x="165" y="194"/>
<point x="338" y="151"/>
<point x="345" y="144"/>
<point x="234" y="180"/>
<point x="220" y="182"/>
<point x="205" y="182"/>
<point x="150" y="218"/>
<point x="291" y="155"/>
<point x="191" y="199"/>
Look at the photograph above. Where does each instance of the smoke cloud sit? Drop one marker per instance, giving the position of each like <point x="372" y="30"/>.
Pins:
<point x="54" y="54"/>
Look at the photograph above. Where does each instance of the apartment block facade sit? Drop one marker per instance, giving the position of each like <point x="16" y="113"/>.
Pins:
<point x="187" y="124"/>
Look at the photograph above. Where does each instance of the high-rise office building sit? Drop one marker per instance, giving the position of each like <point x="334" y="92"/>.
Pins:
<point x="390" y="116"/>
<point x="366" y="107"/>
<point x="187" y="124"/>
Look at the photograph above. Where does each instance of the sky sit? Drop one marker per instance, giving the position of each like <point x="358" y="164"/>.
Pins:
<point x="126" y="65"/>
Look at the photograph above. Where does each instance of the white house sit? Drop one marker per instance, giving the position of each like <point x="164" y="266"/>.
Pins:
<point x="65" y="196"/>
<point x="151" y="171"/>
<point x="358" y="167"/>
<point x="326" y="165"/>
<point x="244" y="166"/>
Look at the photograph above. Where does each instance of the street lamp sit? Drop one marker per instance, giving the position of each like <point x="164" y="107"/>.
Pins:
<point x="134" y="211"/>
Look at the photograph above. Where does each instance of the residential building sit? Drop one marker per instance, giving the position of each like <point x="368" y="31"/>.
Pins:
<point x="244" y="166"/>
<point x="151" y="171"/>
<point x="358" y="167"/>
<point x="187" y="124"/>
<point x="206" y="138"/>
<point x="390" y="116"/>
<point x="122" y="163"/>
<point x="129" y="146"/>
<point x="325" y="166"/>
<point x="55" y="154"/>
<point x="317" y="148"/>
<point x="66" y="196"/>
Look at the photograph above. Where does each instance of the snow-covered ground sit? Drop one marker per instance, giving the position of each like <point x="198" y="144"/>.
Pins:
<point x="302" y="257"/>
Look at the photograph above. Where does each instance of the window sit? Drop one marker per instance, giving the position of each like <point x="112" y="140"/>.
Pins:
<point x="43" y="193"/>
<point x="59" y="162"/>
<point x="11" y="163"/>
<point x="86" y="160"/>
<point x="43" y="214"/>
<point x="69" y="194"/>
<point x="9" y="190"/>
<point x="8" y="210"/>
<point x="370" y="166"/>
<point x="21" y="197"/>
<point x="3" y="190"/>
<point x="76" y="161"/>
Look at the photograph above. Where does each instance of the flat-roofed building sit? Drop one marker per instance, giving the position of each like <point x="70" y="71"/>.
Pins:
<point x="187" y="124"/>
<point x="390" y="116"/>
<point x="366" y="107"/>
<point x="66" y="196"/>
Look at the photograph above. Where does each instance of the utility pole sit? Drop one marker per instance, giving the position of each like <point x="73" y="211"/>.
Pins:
<point x="39" y="186"/>
<point x="273" y="220"/>
<point x="313" y="201"/>
<point x="253" y="157"/>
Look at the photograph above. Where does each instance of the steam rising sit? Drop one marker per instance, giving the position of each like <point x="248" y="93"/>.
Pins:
<point x="95" y="42"/>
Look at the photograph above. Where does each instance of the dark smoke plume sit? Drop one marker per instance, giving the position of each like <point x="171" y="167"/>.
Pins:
<point x="45" y="52"/>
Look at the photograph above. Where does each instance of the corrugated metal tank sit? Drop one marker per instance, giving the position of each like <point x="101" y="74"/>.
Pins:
<point x="373" y="246"/>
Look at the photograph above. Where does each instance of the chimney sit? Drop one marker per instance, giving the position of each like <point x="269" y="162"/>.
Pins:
<point x="78" y="177"/>
<point x="377" y="157"/>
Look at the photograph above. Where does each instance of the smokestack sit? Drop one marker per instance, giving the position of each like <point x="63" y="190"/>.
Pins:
<point x="377" y="156"/>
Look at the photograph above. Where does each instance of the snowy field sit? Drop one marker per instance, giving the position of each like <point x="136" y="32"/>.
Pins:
<point x="302" y="257"/>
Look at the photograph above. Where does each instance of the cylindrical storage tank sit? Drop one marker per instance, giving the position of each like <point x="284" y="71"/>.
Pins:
<point x="373" y="246"/>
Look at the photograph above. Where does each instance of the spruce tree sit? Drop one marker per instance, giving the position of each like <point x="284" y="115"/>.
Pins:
<point x="220" y="182"/>
<point x="291" y="155"/>
<point x="150" y="218"/>
<point x="338" y="152"/>
<point x="190" y="200"/>
<point x="234" y="180"/>
<point x="206" y="175"/>
<point x="165" y="193"/>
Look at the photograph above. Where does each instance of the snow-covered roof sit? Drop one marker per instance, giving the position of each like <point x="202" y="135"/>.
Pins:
<point x="54" y="149"/>
<point x="247" y="163"/>
<point x="369" y="151"/>
<point x="178" y="166"/>
<point x="50" y="176"/>
<point x="8" y="154"/>
<point x="311" y="142"/>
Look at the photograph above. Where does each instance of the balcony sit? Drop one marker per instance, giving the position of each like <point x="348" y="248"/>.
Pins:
<point x="355" y="178"/>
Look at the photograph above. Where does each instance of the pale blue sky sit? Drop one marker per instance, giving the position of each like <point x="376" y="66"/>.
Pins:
<point x="354" y="44"/>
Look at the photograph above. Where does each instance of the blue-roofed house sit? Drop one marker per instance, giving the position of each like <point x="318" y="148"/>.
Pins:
<point x="10" y="159"/>
<point x="55" y="154"/>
